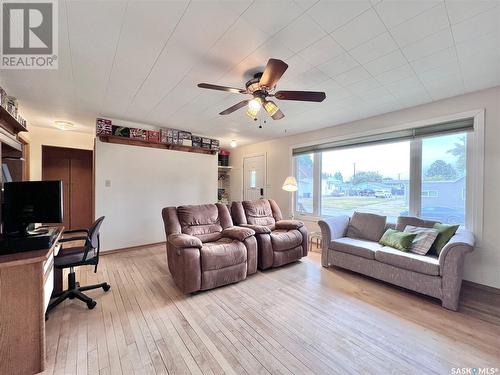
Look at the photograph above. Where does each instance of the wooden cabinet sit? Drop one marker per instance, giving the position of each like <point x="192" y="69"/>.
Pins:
<point x="26" y="283"/>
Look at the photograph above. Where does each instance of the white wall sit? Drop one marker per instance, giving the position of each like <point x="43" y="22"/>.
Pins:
<point x="482" y="266"/>
<point x="39" y="136"/>
<point x="142" y="182"/>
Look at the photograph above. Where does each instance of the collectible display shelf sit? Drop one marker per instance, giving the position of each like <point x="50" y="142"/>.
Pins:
<point x="146" y="143"/>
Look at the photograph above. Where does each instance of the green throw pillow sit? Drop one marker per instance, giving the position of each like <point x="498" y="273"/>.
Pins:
<point x="398" y="240"/>
<point x="446" y="231"/>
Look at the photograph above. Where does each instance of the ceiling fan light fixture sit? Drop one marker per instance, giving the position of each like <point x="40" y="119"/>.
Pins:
<point x="270" y="107"/>
<point x="252" y="113"/>
<point x="262" y="86"/>
<point x="255" y="104"/>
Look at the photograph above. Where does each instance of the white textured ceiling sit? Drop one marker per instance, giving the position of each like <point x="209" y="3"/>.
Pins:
<point x="140" y="60"/>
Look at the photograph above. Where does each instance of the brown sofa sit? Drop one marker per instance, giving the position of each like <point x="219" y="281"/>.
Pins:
<point x="279" y="241"/>
<point x="205" y="250"/>
<point x="439" y="277"/>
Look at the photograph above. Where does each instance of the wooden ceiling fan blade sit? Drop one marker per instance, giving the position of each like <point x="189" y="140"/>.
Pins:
<point x="278" y="115"/>
<point x="235" y="107"/>
<point x="273" y="72"/>
<point x="221" y="88"/>
<point x="305" y="96"/>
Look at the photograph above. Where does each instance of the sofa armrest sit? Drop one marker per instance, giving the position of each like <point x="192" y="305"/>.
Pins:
<point x="181" y="241"/>
<point x="238" y="233"/>
<point x="289" y="224"/>
<point x="258" y="229"/>
<point x="331" y="228"/>
<point x="459" y="245"/>
<point x="451" y="265"/>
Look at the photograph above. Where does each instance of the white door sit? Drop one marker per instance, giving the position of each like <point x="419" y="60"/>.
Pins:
<point x="254" y="171"/>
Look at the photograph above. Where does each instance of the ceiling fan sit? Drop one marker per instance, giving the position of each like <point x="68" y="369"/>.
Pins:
<point x="261" y="87"/>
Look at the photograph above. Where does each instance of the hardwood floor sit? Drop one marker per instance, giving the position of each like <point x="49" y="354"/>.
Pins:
<point x="298" y="319"/>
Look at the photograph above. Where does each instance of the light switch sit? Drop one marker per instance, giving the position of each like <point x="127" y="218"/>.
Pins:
<point x="107" y="183"/>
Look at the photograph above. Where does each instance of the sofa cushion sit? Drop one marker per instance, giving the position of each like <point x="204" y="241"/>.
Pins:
<point x="201" y="221"/>
<point x="403" y="221"/>
<point x="362" y="248"/>
<point x="366" y="226"/>
<point x="259" y="212"/>
<point x="409" y="261"/>
<point x="283" y="239"/>
<point x="399" y="240"/>
<point x="222" y="253"/>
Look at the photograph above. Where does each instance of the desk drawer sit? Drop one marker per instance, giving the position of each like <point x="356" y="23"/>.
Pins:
<point x="48" y="287"/>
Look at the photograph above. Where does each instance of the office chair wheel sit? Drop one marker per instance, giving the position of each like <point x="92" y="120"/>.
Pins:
<point x="91" y="304"/>
<point x="106" y="287"/>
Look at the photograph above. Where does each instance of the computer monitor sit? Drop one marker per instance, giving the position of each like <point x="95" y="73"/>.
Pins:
<point x="31" y="202"/>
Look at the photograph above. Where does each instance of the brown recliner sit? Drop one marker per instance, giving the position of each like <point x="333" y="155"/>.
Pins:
<point x="278" y="241"/>
<point x="205" y="250"/>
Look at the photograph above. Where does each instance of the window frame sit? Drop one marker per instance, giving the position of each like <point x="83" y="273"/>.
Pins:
<point x="474" y="164"/>
<point x="316" y="173"/>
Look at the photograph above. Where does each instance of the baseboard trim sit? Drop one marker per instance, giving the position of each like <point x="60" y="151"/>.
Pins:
<point x="138" y="247"/>
<point x="486" y="288"/>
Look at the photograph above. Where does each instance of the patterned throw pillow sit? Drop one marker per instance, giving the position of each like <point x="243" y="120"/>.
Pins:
<point x="424" y="239"/>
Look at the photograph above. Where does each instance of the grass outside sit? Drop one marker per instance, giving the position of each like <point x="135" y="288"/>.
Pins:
<point x="392" y="207"/>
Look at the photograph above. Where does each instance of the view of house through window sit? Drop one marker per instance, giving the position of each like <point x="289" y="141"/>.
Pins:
<point x="368" y="178"/>
<point x="376" y="178"/>
<point x="443" y="178"/>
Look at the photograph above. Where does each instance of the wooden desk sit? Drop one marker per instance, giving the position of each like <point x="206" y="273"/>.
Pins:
<point x="26" y="283"/>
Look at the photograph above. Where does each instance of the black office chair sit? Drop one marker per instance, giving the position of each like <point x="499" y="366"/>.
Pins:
<point x="88" y="254"/>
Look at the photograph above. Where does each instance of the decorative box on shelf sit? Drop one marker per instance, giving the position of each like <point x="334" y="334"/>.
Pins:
<point x="196" y="141"/>
<point x="103" y="127"/>
<point x="136" y="133"/>
<point x="163" y="136"/>
<point x="154" y="136"/>
<point x="215" y="145"/>
<point x="121" y="131"/>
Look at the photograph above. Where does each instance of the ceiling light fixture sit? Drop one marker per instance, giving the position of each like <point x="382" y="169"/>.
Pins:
<point x="255" y="104"/>
<point x="252" y="114"/>
<point x="64" y="125"/>
<point x="254" y="107"/>
<point x="233" y="143"/>
<point x="270" y="107"/>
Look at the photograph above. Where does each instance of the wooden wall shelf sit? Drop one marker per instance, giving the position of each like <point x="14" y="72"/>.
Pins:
<point x="10" y="123"/>
<point x="141" y="143"/>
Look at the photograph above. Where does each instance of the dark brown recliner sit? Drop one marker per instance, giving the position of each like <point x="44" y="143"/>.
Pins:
<point x="205" y="250"/>
<point x="278" y="241"/>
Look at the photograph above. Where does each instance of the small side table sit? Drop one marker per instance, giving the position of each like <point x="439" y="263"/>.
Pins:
<point x="314" y="236"/>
